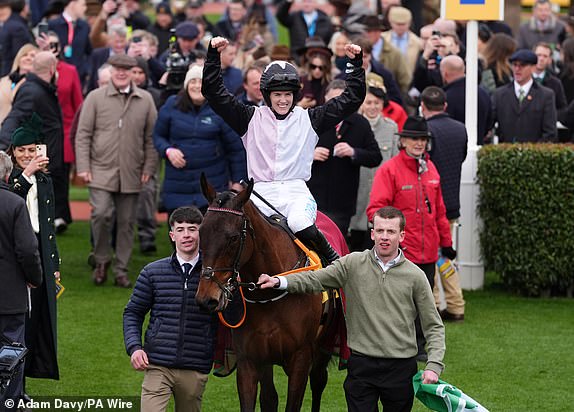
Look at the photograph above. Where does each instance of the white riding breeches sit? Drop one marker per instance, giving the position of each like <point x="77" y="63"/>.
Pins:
<point x="292" y="198"/>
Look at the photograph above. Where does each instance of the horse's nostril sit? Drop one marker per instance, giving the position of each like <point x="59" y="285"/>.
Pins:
<point x="209" y="305"/>
<point x="212" y="305"/>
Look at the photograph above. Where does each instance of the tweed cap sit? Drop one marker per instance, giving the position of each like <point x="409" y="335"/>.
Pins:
<point x="122" y="60"/>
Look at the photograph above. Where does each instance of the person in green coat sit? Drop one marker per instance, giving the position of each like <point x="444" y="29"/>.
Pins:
<point x="30" y="181"/>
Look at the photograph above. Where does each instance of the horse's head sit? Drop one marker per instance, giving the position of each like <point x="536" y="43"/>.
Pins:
<point x="226" y="243"/>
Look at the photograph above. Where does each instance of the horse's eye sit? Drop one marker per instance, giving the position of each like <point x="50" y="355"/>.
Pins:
<point x="234" y="238"/>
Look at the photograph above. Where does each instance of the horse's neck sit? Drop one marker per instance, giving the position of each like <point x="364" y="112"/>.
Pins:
<point x="274" y="250"/>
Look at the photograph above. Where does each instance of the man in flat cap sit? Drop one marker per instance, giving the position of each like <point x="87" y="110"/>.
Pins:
<point x="401" y="36"/>
<point x="187" y="34"/>
<point x="525" y="110"/>
<point x="115" y="157"/>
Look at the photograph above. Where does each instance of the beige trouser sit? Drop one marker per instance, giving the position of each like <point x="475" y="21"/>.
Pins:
<point x="160" y="383"/>
<point x="104" y="204"/>
<point x="451" y="287"/>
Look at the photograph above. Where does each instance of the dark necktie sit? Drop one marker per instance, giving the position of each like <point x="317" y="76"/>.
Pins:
<point x="186" y="271"/>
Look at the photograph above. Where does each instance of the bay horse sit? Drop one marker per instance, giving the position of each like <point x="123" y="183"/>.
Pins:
<point x="279" y="328"/>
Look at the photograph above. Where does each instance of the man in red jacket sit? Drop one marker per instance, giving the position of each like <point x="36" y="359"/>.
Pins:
<point x="410" y="182"/>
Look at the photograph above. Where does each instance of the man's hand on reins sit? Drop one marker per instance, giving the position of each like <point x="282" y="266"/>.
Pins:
<point x="265" y="281"/>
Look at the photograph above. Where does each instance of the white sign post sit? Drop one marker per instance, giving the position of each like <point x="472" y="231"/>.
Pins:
<point x="471" y="268"/>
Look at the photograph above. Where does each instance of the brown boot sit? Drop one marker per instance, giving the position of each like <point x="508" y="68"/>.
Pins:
<point x="122" y="281"/>
<point x="100" y="274"/>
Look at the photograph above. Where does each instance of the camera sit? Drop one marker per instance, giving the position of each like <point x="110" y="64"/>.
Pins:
<point x="436" y="57"/>
<point x="176" y="65"/>
<point x="11" y="355"/>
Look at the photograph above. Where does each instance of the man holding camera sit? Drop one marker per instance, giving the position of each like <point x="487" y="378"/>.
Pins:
<point x="187" y="35"/>
<point x="427" y="70"/>
<point x="19" y="267"/>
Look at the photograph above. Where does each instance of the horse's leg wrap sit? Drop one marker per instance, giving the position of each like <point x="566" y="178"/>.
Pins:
<point x="314" y="238"/>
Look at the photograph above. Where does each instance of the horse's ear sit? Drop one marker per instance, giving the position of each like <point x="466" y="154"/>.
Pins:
<point x="244" y="195"/>
<point x="207" y="190"/>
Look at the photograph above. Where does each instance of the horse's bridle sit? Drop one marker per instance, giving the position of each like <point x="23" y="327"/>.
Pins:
<point x="233" y="282"/>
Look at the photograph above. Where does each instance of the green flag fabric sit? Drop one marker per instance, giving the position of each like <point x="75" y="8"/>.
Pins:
<point x="444" y="397"/>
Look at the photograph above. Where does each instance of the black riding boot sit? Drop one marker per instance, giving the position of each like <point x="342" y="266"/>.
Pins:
<point x="313" y="238"/>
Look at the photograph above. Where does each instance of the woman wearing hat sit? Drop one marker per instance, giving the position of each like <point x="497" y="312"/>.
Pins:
<point x="411" y="183"/>
<point x="195" y="140"/>
<point x="30" y="181"/>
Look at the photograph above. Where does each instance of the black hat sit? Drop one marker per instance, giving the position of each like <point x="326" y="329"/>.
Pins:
<point x="186" y="30"/>
<point x="372" y="22"/>
<point x="415" y="127"/>
<point x="163" y="8"/>
<point x="29" y="132"/>
<point x="313" y="45"/>
<point x="194" y="4"/>
<point x="524" y="56"/>
<point x="122" y="60"/>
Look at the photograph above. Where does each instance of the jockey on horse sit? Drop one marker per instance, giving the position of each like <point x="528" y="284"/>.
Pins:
<point x="280" y="138"/>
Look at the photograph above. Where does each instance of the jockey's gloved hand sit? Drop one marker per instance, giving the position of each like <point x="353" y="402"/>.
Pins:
<point x="448" y="252"/>
<point x="358" y="60"/>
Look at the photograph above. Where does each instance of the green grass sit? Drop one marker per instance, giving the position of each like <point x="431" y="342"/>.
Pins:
<point x="507" y="350"/>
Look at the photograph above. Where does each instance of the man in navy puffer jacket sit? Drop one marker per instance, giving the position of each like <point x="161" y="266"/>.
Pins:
<point x="177" y="353"/>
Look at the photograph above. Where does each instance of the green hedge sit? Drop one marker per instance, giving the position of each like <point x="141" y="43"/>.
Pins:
<point x="527" y="207"/>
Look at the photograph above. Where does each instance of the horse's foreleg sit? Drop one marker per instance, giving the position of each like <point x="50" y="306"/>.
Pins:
<point x="297" y="369"/>
<point x="268" y="398"/>
<point x="318" y="379"/>
<point x="247" y="385"/>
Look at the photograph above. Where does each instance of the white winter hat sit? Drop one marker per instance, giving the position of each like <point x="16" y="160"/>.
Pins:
<point x="195" y="72"/>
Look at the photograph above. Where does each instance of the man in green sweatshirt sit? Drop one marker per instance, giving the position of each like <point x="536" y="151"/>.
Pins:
<point x="385" y="292"/>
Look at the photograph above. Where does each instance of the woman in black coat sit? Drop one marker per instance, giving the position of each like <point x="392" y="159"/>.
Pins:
<point x="30" y="181"/>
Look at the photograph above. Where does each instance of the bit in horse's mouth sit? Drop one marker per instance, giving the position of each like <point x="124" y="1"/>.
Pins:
<point x="223" y="302"/>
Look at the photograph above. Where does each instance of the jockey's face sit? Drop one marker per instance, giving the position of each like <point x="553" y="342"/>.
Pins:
<point x="281" y="101"/>
<point x="387" y="235"/>
<point x="186" y="239"/>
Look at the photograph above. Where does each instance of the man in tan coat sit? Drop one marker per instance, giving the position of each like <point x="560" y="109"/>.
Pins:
<point x="400" y="36"/>
<point x="115" y="156"/>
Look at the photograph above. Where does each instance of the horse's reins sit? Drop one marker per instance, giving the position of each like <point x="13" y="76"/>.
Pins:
<point x="235" y="279"/>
